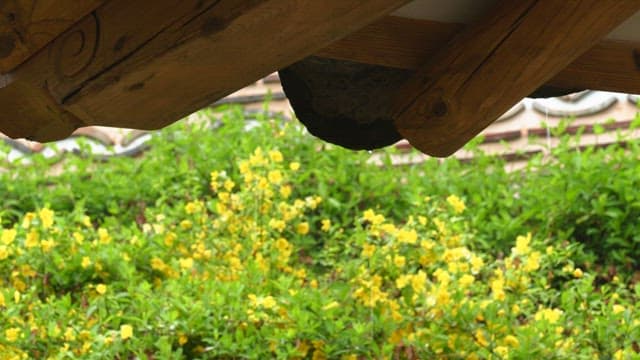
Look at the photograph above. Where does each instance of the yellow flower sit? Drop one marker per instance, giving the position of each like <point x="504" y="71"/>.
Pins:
<point x="12" y="334"/>
<point x="170" y="238"/>
<point x="46" y="217"/>
<point x="8" y="235"/>
<point x="182" y="339"/>
<point x="481" y="339"/>
<point x="368" y="250"/>
<point x="578" y="273"/>
<point x="186" y="263"/>
<point x="294" y="166"/>
<point x="402" y="281"/>
<point x="193" y="207"/>
<point x="228" y="185"/>
<point x="511" y="341"/>
<point x="326" y="225"/>
<point x="47" y="245"/>
<point x="28" y="218"/>
<point x="158" y="264"/>
<point x="442" y="295"/>
<point x="303" y="228"/>
<point x="126" y="332"/>
<point x="442" y="276"/>
<point x="617" y="309"/>
<point x="418" y="281"/>
<point x="522" y="245"/>
<point x="4" y="253"/>
<point x="550" y="315"/>
<point x="101" y="289"/>
<point x="186" y="224"/>
<point x="78" y="237"/>
<point x="533" y="262"/>
<point x="277" y="225"/>
<point x="399" y="261"/>
<point x="86" y="262"/>
<point x="301" y="273"/>
<point x="466" y="280"/>
<point x="618" y="355"/>
<point x="269" y="302"/>
<point x="285" y="191"/>
<point x="283" y="245"/>
<point x="375" y="219"/>
<point x="275" y="156"/>
<point x="407" y="236"/>
<point x="32" y="239"/>
<point x="2" y="300"/>
<point x="456" y="203"/>
<point x="103" y="236"/>
<point x="312" y="201"/>
<point x="502" y="351"/>
<point x="568" y="268"/>
<point x="224" y="196"/>
<point x="515" y="309"/>
<point x="497" y="289"/>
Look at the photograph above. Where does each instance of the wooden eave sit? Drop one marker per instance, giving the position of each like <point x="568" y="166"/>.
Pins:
<point x="404" y="43"/>
<point x="140" y="64"/>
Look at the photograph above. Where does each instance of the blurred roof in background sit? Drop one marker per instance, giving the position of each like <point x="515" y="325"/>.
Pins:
<point x="518" y="134"/>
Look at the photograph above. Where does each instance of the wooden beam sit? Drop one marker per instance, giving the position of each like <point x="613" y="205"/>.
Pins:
<point x="491" y="65"/>
<point x="394" y="42"/>
<point x="611" y="65"/>
<point x="145" y="64"/>
<point x="28" y="25"/>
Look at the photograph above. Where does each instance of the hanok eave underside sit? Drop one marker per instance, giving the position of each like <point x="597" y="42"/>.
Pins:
<point x="361" y="74"/>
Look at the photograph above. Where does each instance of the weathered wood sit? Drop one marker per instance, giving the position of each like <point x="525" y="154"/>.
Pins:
<point x="491" y="65"/>
<point x="611" y="65"/>
<point x="28" y="25"/>
<point x="394" y="42"/>
<point x="145" y="64"/>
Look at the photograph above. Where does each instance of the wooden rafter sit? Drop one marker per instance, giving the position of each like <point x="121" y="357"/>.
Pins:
<point x="611" y="65"/>
<point x="28" y="25"/>
<point x="491" y="65"/>
<point x="146" y="64"/>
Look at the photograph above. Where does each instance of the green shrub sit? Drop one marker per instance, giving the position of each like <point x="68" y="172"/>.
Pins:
<point x="255" y="267"/>
<point x="230" y="243"/>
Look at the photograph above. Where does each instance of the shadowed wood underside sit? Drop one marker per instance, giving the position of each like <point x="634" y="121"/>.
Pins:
<point x="144" y="64"/>
<point x="491" y="65"/>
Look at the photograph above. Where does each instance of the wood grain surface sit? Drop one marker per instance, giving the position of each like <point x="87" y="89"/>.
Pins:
<point x="610" y="65"/>
<point x="28" y="25"/>
<point x="491" y="65"/>
<point x="145" y="64"/>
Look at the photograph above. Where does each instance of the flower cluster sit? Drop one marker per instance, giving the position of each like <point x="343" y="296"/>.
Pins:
<point x="254" y="270"/>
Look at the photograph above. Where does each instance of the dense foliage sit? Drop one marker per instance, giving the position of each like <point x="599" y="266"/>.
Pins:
<point x="262" y="243"/>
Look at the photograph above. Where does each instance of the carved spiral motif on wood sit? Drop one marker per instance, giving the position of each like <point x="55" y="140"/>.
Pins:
<point x="75" y="50"/>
